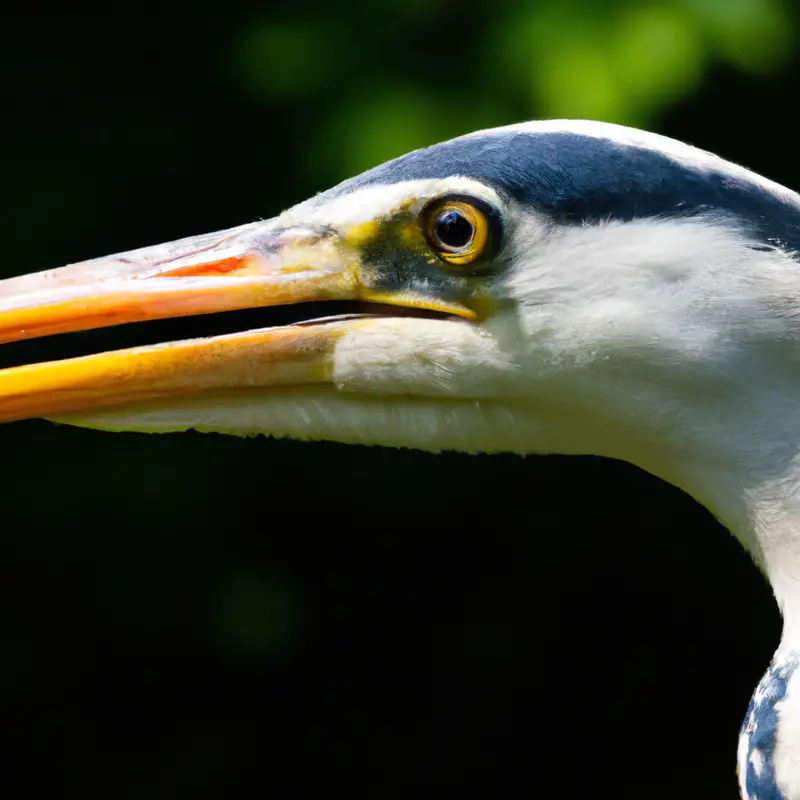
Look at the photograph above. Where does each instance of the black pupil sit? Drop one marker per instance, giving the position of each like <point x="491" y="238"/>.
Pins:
<point x="453" y="229"/>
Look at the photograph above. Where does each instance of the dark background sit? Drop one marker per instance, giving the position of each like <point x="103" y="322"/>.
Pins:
<point x="175" y="619"/>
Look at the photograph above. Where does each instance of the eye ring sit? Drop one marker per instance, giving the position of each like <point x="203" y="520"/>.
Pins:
<point x="460" y="230"/>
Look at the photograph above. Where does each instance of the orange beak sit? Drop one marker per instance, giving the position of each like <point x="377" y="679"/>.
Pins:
<point x="249" y="267"/>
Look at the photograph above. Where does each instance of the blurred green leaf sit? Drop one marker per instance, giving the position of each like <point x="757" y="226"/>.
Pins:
<point x="283" y="60"/>
<point x="658" y="55"/>
<point x="577" y="80"/>
<point x="754" y="35"/>
<point x="376" y="126"/>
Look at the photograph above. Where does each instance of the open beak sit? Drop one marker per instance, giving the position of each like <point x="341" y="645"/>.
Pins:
<point x="248" y="267"/>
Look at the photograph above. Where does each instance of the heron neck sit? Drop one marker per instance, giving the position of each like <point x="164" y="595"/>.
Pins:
<point x="759" y="503"/>
<point x="762" y="508"/>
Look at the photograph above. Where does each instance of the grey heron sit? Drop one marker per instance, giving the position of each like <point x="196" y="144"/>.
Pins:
<point x="551" y="287"/>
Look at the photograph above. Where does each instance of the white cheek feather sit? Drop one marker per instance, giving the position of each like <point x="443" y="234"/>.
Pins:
<point x="426" y="357"/>
<point x="621" y="271"/>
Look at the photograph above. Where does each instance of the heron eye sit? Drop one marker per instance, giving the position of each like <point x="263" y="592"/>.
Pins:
<point x="453" y="229"/>
<point x="457" y="230"/>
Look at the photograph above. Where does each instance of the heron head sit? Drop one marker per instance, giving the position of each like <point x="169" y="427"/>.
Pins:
<point x="548" y="287"/>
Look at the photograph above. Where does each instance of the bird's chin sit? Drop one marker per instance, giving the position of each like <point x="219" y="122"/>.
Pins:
<point x="325" y="413"/>
<point x="367" y="378"/>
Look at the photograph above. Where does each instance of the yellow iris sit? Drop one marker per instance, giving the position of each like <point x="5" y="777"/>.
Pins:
<point x="465" y="226"/>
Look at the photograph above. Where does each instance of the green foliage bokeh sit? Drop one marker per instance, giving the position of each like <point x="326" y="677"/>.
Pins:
<point x="621" y="61"/>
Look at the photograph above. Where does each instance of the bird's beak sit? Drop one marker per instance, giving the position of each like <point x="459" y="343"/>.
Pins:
<point x="242" y="268"/>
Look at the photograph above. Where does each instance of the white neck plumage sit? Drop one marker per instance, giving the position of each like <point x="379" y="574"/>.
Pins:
<point x="680" y="340"/>
<point x="759" y="501"/>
